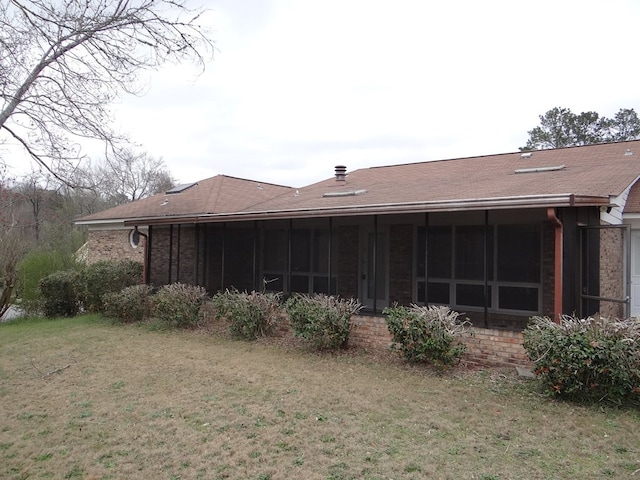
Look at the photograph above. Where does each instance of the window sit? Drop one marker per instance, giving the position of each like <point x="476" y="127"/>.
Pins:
<point x="458" y="258"/>
<point x="309" y="258"/>
<point x="134" y="238"/>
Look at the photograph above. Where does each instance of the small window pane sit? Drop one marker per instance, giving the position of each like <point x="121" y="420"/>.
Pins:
<point x="438" y="292"/>
<point x="472" y="295"/>
<point x="300" y="283"/>
<point x="518" y="298"/>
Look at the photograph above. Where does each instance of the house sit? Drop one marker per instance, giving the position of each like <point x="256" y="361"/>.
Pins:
<point x="498" y="237"/>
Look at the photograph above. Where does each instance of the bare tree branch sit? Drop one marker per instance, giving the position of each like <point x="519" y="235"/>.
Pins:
<point x="62" y="64"/>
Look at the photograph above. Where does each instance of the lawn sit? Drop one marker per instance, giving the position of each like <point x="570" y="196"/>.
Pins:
<point x="84" y="399"/>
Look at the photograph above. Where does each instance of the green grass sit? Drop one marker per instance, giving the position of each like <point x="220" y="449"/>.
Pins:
<point x="82" y="398"/>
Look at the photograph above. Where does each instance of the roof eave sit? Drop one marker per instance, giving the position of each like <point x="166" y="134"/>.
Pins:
<point x="497" y="203"/>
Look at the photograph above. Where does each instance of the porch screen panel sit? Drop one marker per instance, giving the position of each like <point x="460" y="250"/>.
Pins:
<point x="320" y="262"/>
<point x="377" y="270"/>
<point x="309" y="272"/>
<point x="519" y="267"/>
<point x="238" y="265"/>
<point x="456" y="257"/>
<point x="274" y="255"/>
<point x="439" y="252"/>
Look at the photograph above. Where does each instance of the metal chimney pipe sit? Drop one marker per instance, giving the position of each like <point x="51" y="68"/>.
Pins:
<point x="341" y="173"/>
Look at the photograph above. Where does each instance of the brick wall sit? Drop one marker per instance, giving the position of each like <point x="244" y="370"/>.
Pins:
<point x="484" y="347"/>
<point x="159" y="268"/>
<point x="113" y="245"/>
<point x="612" y="265"/>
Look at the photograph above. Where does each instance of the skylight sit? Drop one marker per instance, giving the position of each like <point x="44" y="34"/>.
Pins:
<point x="180" y="188"/>
<point x="540" y="169"/>
<point x="351" y="193"/>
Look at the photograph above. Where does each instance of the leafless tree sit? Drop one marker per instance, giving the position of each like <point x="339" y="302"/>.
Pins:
<point x="63" y="63"/>
<point x="13" y="242"/>
<point x="131" y="176"/>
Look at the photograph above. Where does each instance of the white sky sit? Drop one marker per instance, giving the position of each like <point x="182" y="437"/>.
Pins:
<point x="299" y="86"/>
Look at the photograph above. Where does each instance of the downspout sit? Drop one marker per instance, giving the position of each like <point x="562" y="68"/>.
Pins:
<point x="557" y="300"/>
<point x="145" y="280"/>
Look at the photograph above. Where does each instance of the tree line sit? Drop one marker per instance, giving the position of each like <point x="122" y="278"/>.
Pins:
<point x="560" y="127"/>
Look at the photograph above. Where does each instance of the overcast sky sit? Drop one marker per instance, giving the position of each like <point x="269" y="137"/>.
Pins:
<point x="299" y="86"/>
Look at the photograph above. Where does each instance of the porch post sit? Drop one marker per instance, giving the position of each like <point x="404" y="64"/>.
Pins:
<point x="486" y="269"/>
<point x="196" y="269"/>
<point x="222" y="255"/>
<point x="557" y="296"/>
<point x="170" y="253"/>
<point x="426" y="257"/>
<point x="287" y="284"/>
<point x="329" y="256"/>
<point x="178" y="253"/>
<point x="375" y="264"/>
<point x="255" y="255"/>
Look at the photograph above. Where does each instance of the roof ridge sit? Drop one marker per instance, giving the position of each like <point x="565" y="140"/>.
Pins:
<point x="493" y="155"/>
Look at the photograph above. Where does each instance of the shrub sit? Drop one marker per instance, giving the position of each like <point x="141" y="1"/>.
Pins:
<point x="107" y="276"/>
<point x="592" y="359"/>
<point x="324" y="321"/>
<point x="427" y="334"/>
<point x="59" y="293"/>
<point x="178" y="304"/>
<point x="131" y="304"/>
<point x="33" y="268"/>
<point x="250" y="314"/>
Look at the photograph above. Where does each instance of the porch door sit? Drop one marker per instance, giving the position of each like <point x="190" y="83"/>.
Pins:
<point x="374" y="271"/>
<point x="635" y="273"/>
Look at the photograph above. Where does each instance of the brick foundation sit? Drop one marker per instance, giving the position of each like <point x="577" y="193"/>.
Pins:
<point x="484" y="347"/>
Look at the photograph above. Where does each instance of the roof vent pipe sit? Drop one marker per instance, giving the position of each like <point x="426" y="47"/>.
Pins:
<point x="341" y="173"/>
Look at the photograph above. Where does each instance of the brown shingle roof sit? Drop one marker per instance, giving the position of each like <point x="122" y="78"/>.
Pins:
<point x="589" y="175"/>
<point x="215" y="195"/>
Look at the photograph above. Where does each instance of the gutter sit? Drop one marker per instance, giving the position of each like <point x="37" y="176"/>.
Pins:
<point x="528" y="201"/>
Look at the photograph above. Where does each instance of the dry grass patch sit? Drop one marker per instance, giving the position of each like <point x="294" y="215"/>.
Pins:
<point x="80" y="398"/>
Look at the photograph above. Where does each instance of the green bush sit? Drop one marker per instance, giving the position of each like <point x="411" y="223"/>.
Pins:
<point x="107" y="276"/>
<point x="427" y="334"/>
<point x="131" y="304"/>
<point x="250" y="314"/>
<point x="592" y="359"/>
<point x="324" y="321"/>
<point x="179" y="305"/>
<point x="33" y="268"/>
<point x="59" y="293"/>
